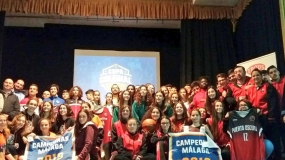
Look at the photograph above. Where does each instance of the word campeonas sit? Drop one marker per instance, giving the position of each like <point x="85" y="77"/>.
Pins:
<point x="44" y="147"/>
<point x="244" y="128"/>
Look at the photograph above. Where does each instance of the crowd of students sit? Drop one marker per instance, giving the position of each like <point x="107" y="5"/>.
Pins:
<point x="113" y="129"/>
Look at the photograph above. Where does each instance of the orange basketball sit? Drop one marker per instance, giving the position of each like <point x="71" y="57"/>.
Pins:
<point x="148" y="125"/>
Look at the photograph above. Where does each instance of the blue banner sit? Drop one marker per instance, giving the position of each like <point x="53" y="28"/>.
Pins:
<point x="50" y="148"/>
<point x="192" y="146"/>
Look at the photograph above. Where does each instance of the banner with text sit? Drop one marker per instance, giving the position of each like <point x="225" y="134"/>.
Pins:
<point x="48" y="148"/>
<point x="192" y="146"/>
<point x="260" y="63"/>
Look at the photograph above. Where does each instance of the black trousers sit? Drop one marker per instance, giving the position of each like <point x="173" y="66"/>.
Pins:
<point x="272" y="132"/>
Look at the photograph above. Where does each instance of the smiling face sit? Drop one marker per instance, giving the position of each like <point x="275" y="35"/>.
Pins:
<point x="45" y="125"/>
<point x="131" y="90"/>
<point x="155" y="114"/>
<point x="179" y="109"/>
<point x="150" y="89"/>
<point x="219" y="107"/>
<point x="126" y="113"/>
<point x="195" y="116"/>
<point x="32" y="105"/>
<point x="126" y="95"/>
<point x="174" y="98"/>
<point x="143" y="91"/>
<point x="63" y="110"/>
<point x="256" y="77"/>
<point x="239" y="73"/>
<point x="159" y="97"/>
<point x="20" y="122"/>
<point x="211" y="93"/>
<point x="47" y="107"/>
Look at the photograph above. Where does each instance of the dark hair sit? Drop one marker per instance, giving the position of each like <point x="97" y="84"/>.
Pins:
<point x="231" y="71"/>
<point x="99" y="103"/>
<point x="194" y="84"/>
<point x="215" y="119"/>
<point x="164" y="103"/>
<point x="78" y="125"/>
<point x="209" y="102"/>
<point x="241" y="68"/>
<point x="204" y="77"/>
<point x="89" y="91"/>
<point x="168" y="85"/>
<point x="147" y="114"/>
<point x="138" y="97"/>
<point x="69" y="113"/>
<point x="121" y="99"/>
<point x="39" y="124"/>
<point x="65" y="91"/>
<point x="35" y="86"/>
<point x="257" y="70"/>
<point x="165" y="117"/>
<point x="107" y="95"/>
<point x="264" y="72"/>
<point x="221" y="75"/>
<point x="271" y="67"/>
<point x="51" y="112"/>
<point x="185" y="119"/>
<point x="121" y="110"/>
<point x="56" y="86"/>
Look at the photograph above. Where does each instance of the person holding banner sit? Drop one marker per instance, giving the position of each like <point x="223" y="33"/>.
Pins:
<point x="16" y="143"/>
<point x="64" y="119"/>
<point x="160" y="138"/>
<point x="45" y="126"/>
<point x="197" y="126"/>
<point x="179" y="118"/>
<point x="216" y="124"/>
<point x="85" y="137"/>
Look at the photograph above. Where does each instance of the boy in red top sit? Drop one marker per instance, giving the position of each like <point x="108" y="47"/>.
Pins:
<point x="200" y="98"/>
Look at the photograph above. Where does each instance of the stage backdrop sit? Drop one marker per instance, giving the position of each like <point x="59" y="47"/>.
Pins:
<point x="262" y="63"/>
<point x="100" y="69"/>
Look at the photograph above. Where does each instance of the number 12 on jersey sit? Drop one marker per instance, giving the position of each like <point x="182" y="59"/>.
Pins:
<point x="245" y="135"/>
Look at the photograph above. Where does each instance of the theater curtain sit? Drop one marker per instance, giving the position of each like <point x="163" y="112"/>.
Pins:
<point x="2" y="19"/>
<point x="282" y="18"/>
<point x="258" y="32"/>
<point x="207" y="49"/>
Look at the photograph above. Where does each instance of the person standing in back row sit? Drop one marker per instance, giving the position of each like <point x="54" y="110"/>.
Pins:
<point x="9" y="103"/>
<point x="54" y="99"/>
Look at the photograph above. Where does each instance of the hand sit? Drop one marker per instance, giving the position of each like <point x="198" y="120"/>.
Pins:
<point x="241" y="97"/>
<point x="16" y="145"/>
<point x="224" y="94"/>
<point x="227" y="115"/>
<point x="25" y="140"/>
<point x="283" y="119"/>
<point x="32" y="135"/>
<point x="70" y="128"/>
<point x="138" y="157"/>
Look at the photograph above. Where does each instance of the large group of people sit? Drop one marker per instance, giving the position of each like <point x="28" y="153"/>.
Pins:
<point x="252" y="108"/>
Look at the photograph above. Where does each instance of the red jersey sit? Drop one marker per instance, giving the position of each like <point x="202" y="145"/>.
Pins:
<point x="106" y="119"/>
<point x="246" y="135"/>
<point x="75" y="106"/>
<point x="121" y="128"/>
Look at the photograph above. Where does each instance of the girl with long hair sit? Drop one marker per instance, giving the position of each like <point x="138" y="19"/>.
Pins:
<point x="132" y="90"/>
<point x="183" y="97"/>
<point x="216" y="126"/>
<point x="166" y="92"/>
<point x="48" y="113"/>
<point x="174" y="98"/>
<point x="85" y="137"/>
<point x="161" y="103"/>
<point x="141" y="102"/>
<point x="16" y="143"/>
<point x="211" y="97"/>
<point x="179" y="118"/>
<point x="31" y="116"/>
<point x="196" y="125"/>
<point x="125" y="99"/>
<point x="75" y="99"/>
<point x="64" y="119"/>
<point x="120" y="127"/>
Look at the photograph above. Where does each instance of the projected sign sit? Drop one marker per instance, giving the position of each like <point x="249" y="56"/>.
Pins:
<point x="100" y="69"/>
<point x="115" y="74"/>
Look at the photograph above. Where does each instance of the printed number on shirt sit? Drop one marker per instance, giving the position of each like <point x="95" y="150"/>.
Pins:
<point x="58" y="156"/>
<point x="245" y="136"/>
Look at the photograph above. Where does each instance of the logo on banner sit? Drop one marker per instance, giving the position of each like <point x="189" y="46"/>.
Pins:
<point x="115" y="74"/>
<point x="193" y="146"/>
<point x="259" y="66"/>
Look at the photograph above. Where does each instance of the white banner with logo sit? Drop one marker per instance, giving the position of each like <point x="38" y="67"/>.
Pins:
<point x="260" y="62"/>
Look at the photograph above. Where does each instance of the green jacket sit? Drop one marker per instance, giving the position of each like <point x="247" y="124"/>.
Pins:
<point x="138" y="110"/>
<point x="115" y="117"/>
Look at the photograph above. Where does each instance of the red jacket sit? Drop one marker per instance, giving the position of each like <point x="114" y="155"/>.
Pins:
<point x="221" y="138"/>
<point x="264" y="98"/>
<point x="237" y="91"/>
<point x="199" y="99"/>
<point x="131" y="145"/>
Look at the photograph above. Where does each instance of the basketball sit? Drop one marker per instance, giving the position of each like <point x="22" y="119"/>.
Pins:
<point x="148" y="125"/>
